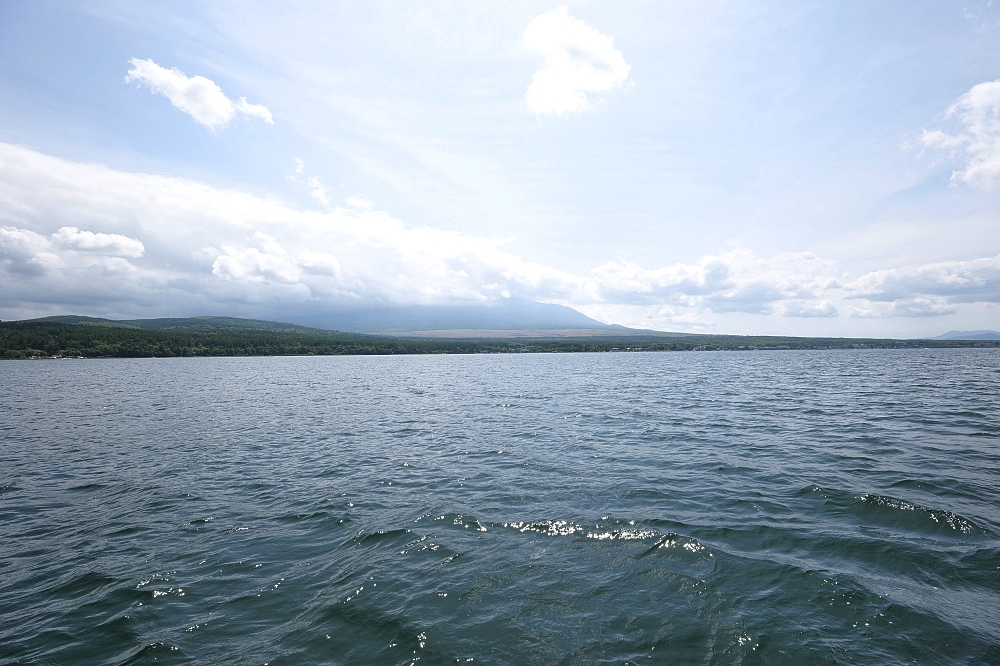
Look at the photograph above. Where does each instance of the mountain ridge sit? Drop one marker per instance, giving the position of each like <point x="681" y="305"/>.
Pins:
<point x="969" y="335"/>
<point x="506" y="318"/>
<point x="508" y="314"/>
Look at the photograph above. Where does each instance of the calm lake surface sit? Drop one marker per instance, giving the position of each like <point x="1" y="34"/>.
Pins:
<point x="837" y="507"/>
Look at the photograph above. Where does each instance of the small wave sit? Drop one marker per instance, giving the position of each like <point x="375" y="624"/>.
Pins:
<point x="610" y="530"/>
<point x="623" y="535"/>
<point x="201" y="521"/>
<point x="83" y="585"/>
<point x="898" y="513"/>
<point x="421" y="544"/>
<point x="628" y="531"/>
<point x="378" y="536"/>
<point x="151" y="652"/>
<point x="938" y="487"/>
<point x="300" y="517"/>
<point x="547" y="527"/>
<point x="892" y="507"/>
<point x="810" y="489"/>
<point x="981" y="563"/>
<point x="460" y="521"/>
<point x="681" y="544"/>
<point x="87" y="487"/>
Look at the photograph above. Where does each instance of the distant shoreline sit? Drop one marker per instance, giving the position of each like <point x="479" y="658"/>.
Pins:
<point x="481" y="353"/>
<point x="218" y="337"/>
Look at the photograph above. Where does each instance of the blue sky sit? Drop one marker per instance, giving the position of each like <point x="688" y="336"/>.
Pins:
<point x="794" y="168"/>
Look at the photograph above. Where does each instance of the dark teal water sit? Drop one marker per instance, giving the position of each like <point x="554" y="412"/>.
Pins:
<point x="674" y="508"/>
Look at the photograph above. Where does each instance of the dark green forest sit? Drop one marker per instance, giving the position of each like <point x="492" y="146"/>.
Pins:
<point x="220" y="336"/>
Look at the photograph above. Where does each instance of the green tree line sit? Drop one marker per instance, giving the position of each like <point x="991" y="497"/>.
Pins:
<point x="20" y="340"/>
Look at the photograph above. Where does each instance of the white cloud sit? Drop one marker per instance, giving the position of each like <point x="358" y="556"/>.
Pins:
<point x="976" y="143"/>
<point x="272" y="263"/>
<point x="905" y="307"/>
<point x="253" y="110"/>
<point x="68" y="253"/>
<point x="805" y="308"/>
<point x="651" y="317"/>
<point x="24" y="251"/>
<point x="110" y="244"/>
<point x="196" y="96"/>
<point x="75" y="236"/>
<point x="926" y="290"/>
<point x="318" y="190"/>
<point x="736" y="281"/>
<point x="579" y="62"/>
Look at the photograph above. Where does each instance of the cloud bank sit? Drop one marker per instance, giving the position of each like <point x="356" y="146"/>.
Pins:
<point x="579" y="62"/>
<point x="976" y="140"/>
<point x="196" y="96"/>
<point x="86" y="236"/>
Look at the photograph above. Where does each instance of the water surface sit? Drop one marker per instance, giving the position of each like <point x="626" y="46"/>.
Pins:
<point x="661" y="508"/>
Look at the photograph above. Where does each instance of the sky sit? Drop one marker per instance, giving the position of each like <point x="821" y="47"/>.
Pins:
<point x="796" y="168"/>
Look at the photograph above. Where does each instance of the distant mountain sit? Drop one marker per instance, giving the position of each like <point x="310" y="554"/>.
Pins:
<point x="170" y="323"/>
<point x="969" y="335"/>
<point x="175" y="323"/>
<point x="506" y="315"/>
<point x="72" y="336"/>
<point x="506" y="318"/>
<point x="77" y="320"/>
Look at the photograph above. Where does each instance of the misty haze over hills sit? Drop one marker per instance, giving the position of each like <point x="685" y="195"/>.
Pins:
<point x="969" y="335"/>
<point x="510" y="315"/>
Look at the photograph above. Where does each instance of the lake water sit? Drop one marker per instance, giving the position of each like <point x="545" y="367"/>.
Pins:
<point x="836" y="507"/>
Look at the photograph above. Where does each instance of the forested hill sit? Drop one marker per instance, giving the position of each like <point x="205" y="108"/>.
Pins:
<point x="73" y="336"/>
<point x="199" y="336"/>
<point x="205" y="324"/>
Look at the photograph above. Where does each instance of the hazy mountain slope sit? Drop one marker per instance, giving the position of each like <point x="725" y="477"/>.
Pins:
<point x="505" y="315"/>
<point x="969" y="335"/>
<point x="169" y="323"/>
<point x="510" y="315"/>
<point x="507" y="318"/>
<point x="78" y="320"/>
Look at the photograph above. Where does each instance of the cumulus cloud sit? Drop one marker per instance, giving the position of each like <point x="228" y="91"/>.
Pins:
<point x="83" y="235"/>
<point x="736" y="281"/>
<point x="976" y="139"/>
<point x="926" y="290"/>
<point x="23" y="251"/>
<point x="904" y="307"/>
<point x="579" y="62"/>
<point x="803" y="308"/>
<point x="272" y="262"/>
<point x="200" y="98"/>
<point x="66" y="253"/>
<point x="88" y="241"/>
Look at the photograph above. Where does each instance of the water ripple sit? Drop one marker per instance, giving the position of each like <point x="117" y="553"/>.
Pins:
<point x="780" y="508"/>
